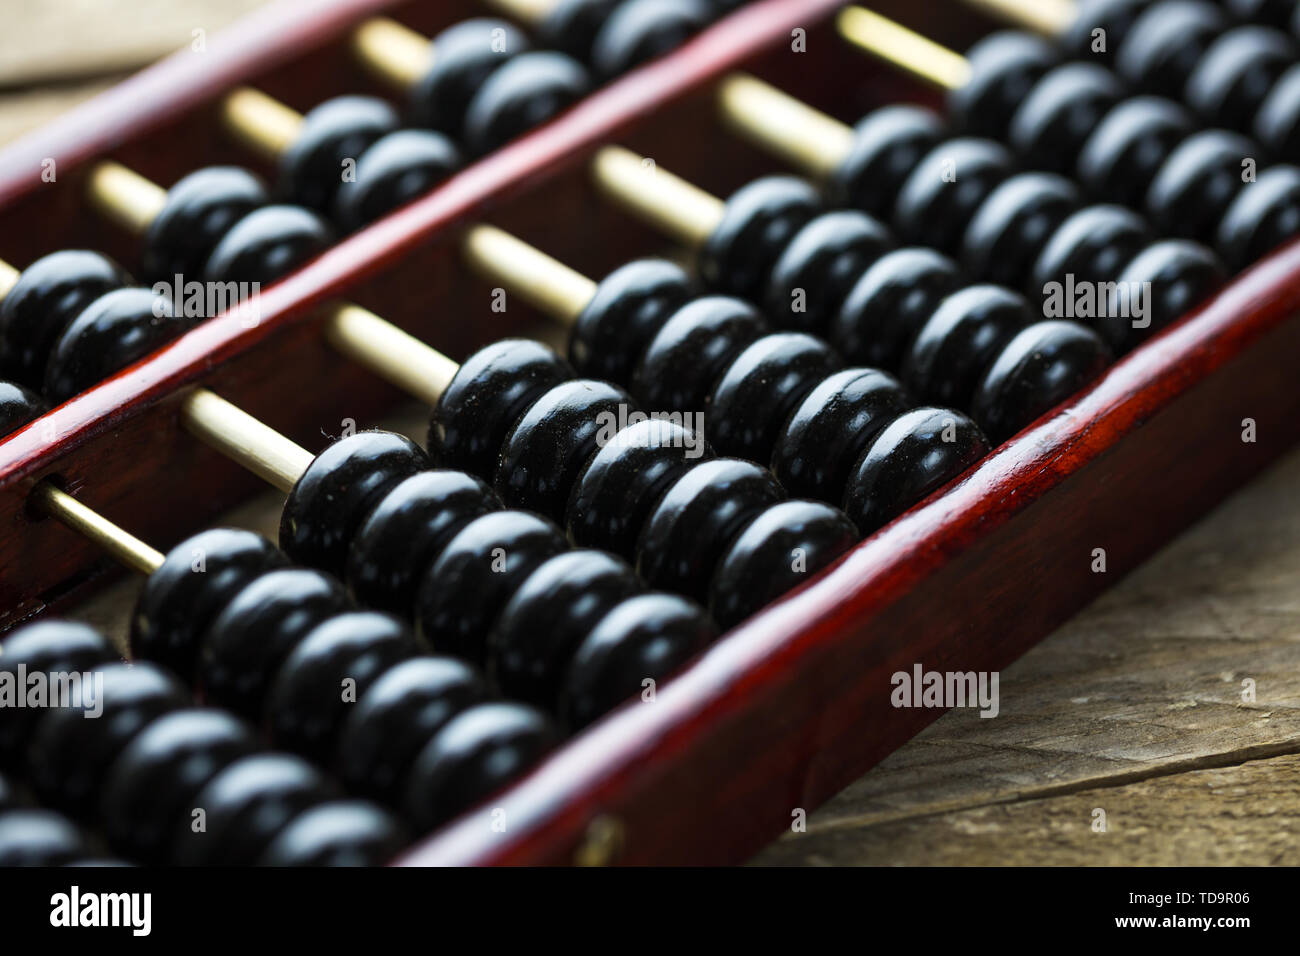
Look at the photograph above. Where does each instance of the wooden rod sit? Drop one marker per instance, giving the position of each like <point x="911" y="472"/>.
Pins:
<point x="263" y="124"/>
<point x="124" y="547"/>
<point x="394" y="355"/>
<point x="804" y="137"/>
<point x="395" y="54"/>
<point x="124" y="196"/>
<point x="8" y="278"/>
<point x="528" y="272"/>
<point x="894" y="43"/>
<point x="530" y="12"/>
<point x="1051" y="18"/>
<point x="668" y="202"/>
<point x="242" y="438"/>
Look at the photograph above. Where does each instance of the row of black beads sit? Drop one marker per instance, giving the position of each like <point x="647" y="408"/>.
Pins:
<point x="37" y="836"/>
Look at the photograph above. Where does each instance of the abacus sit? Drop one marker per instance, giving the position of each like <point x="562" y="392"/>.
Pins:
<point x="900" y="460"/>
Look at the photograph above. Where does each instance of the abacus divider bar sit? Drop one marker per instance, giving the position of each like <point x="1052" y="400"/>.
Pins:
<point x="123" y="546"/>
<point x="395" y="356"/>
<point x="526" y="271"/>
<point x="395" y="54"/>
<point x="1051" y="18"/>
<point x="124" y="196"/>
<point x="260" y="122"/>
<point x="671" y="204"/>
<point x="904" y="48"/>
<point x="804" y="137"/>
<point x="241" y="437"/>
<point x="8" y="277"/>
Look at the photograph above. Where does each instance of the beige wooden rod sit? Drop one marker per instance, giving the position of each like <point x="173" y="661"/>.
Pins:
<point x="242" y="438"/>
<point x="528" y="272"/>
<point x="124" y="196"/>
<point x="8" y="278"/>
<point x="530" y="12"/>
<point x="263" y="124"/>
<point x="668" y="202"/>
<point x="123" y="547"/>
<point x="904" y="48"/>
<point x="395" y="54"/>
<point x="1049" y="17"/>
<point x="395" y="356"/>
<point x="773" y="120"/>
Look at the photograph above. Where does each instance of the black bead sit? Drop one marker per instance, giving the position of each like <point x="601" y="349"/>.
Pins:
<point x="829" y="430"/>
<point x="114" y="331"/>
<point x="780" y="549"/>
<point x="34" y="837"/>
<point x="1193" y="189"/>
<point x="488" y="394"/>
<point x="73" y="747"/>
<point x="407" y="530"/>
<point x="960" y="341"/>
<point x="1114" y="18"/>
<point x="1236" y="74"/>
<point x="398" y="714"/>
<point x="640" y="30"/>
<point x="266" y="244"/>
<point x="338" y="130"/>
<point x="151" y="785"/>
<point x="1181" y="275"/>
<point x="547" y="448"/>
<point x="646" y="637"/>
<point x="1040" y="368"/>
<point x="1265" y="214"/>
<point x="245" y="806"/>
<point x="49" y="294"/>
<point x="757" y="223"/>
<point x="18" y="406"/>
<point x="8" y="794"/>
<point x="628" y="309"/>
<point x="338" y="833"/>
<point x="916" y="454"/>
<point x="938" y="200"/>
<point x="696" y="519"/>
<point x="394" y="170"/>
<point x="570" y="26"/>
<point x="198" y="212"/>
<point x="547" y="618"/>
<point x="258" y="629"/>
<point x="1004" y="67"/>
<point x="1093" y="245"/>
<point x="1277" y="124"/>
<point x="689" y="354"/>
<point x="619" y="486"/>
<point x="1274" y="12"/>
<point x="475" y="755"/>
<point x="1128" y="147"/>
<point x="888" y="305"/>
<point x="1166" y="42"/>
<point x="466" y="55"/>
<point x="337" y="491"/>
<point x="462" y="592"/>
<point x="812" y="276"/>
<point x="321" y="680"/>
<point x="196" y="580"/>
<point x="1009" y="229"/>
<point x="1050" y="127"/>
<point x="61" y="646"/>
<point x="524" y="93"/>
<point x="887" y="145"/>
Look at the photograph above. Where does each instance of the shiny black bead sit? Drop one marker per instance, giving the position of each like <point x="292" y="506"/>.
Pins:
<point x="194" y="583"/>
<point x="691" y="351"/>
<point x="407" y="530"/>
<point x="151" y="786"/>
<point x="462" y="592"/>
<point x="646" y="637"/>
<point x="34" y="837"/>
<point x="1181" y="275"/>
<point x="1040" y="368"/>
<point x="1010" y="227"/>
<point x="1113" y="18"/>
<point x="619" y="486"/>
<point x="570" y="26"/>
<point x="628" y="309"/>
<point x="1004" y="67"/>
<point x="1166" y="42"/>
<point x="321" y="680"/>
<point x="938" y="200"/>
<point x="258" y="629"/>
<point x="641" y="30"/>
<point x="526" y="92"/>
<point x="70" y="752"/>
<point x="1050" y="127"/>
<point x="337" y="491"/>
<point x="547" y="448"/>
<point x="18" y="406"/>
<point x="245" y="806"/>
<point x="1128" y="147"/>
<point x="8" y="794"/>
<point x="780" y="549"/>
<point x="1236" y="74"/>
<point x="394" y="170"/>
<point x="396" y="716"/>
<point x="916" y="454"/>
<point x="338" y="833"/>
<point x="333" y="133"/>
<point x="547" y="618"/>
<point x="490" y="391"/>
<point x="46" y="646"/>
<point x="887" y="145"/>
<point x="696" y="519"/>
<point x="114" y="331"/>
<point x="266" y="244"/>
<point x="888" y="305"/>
<point x="1274" y="12"/>
<point x="467" y="54"/>
<point x="1265" y="214"/>
<point x="475" y="755"/>
<point x="1093" y="245"/>
<point x="49" y="294"/>
<point x="829" y="430"/>
<point x="1194" y="187"/>
<point x="812" y="276"/>
<point x="198" y="212"/>
<point x="757" y="223"/>
<point x="1277" y="124"/>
